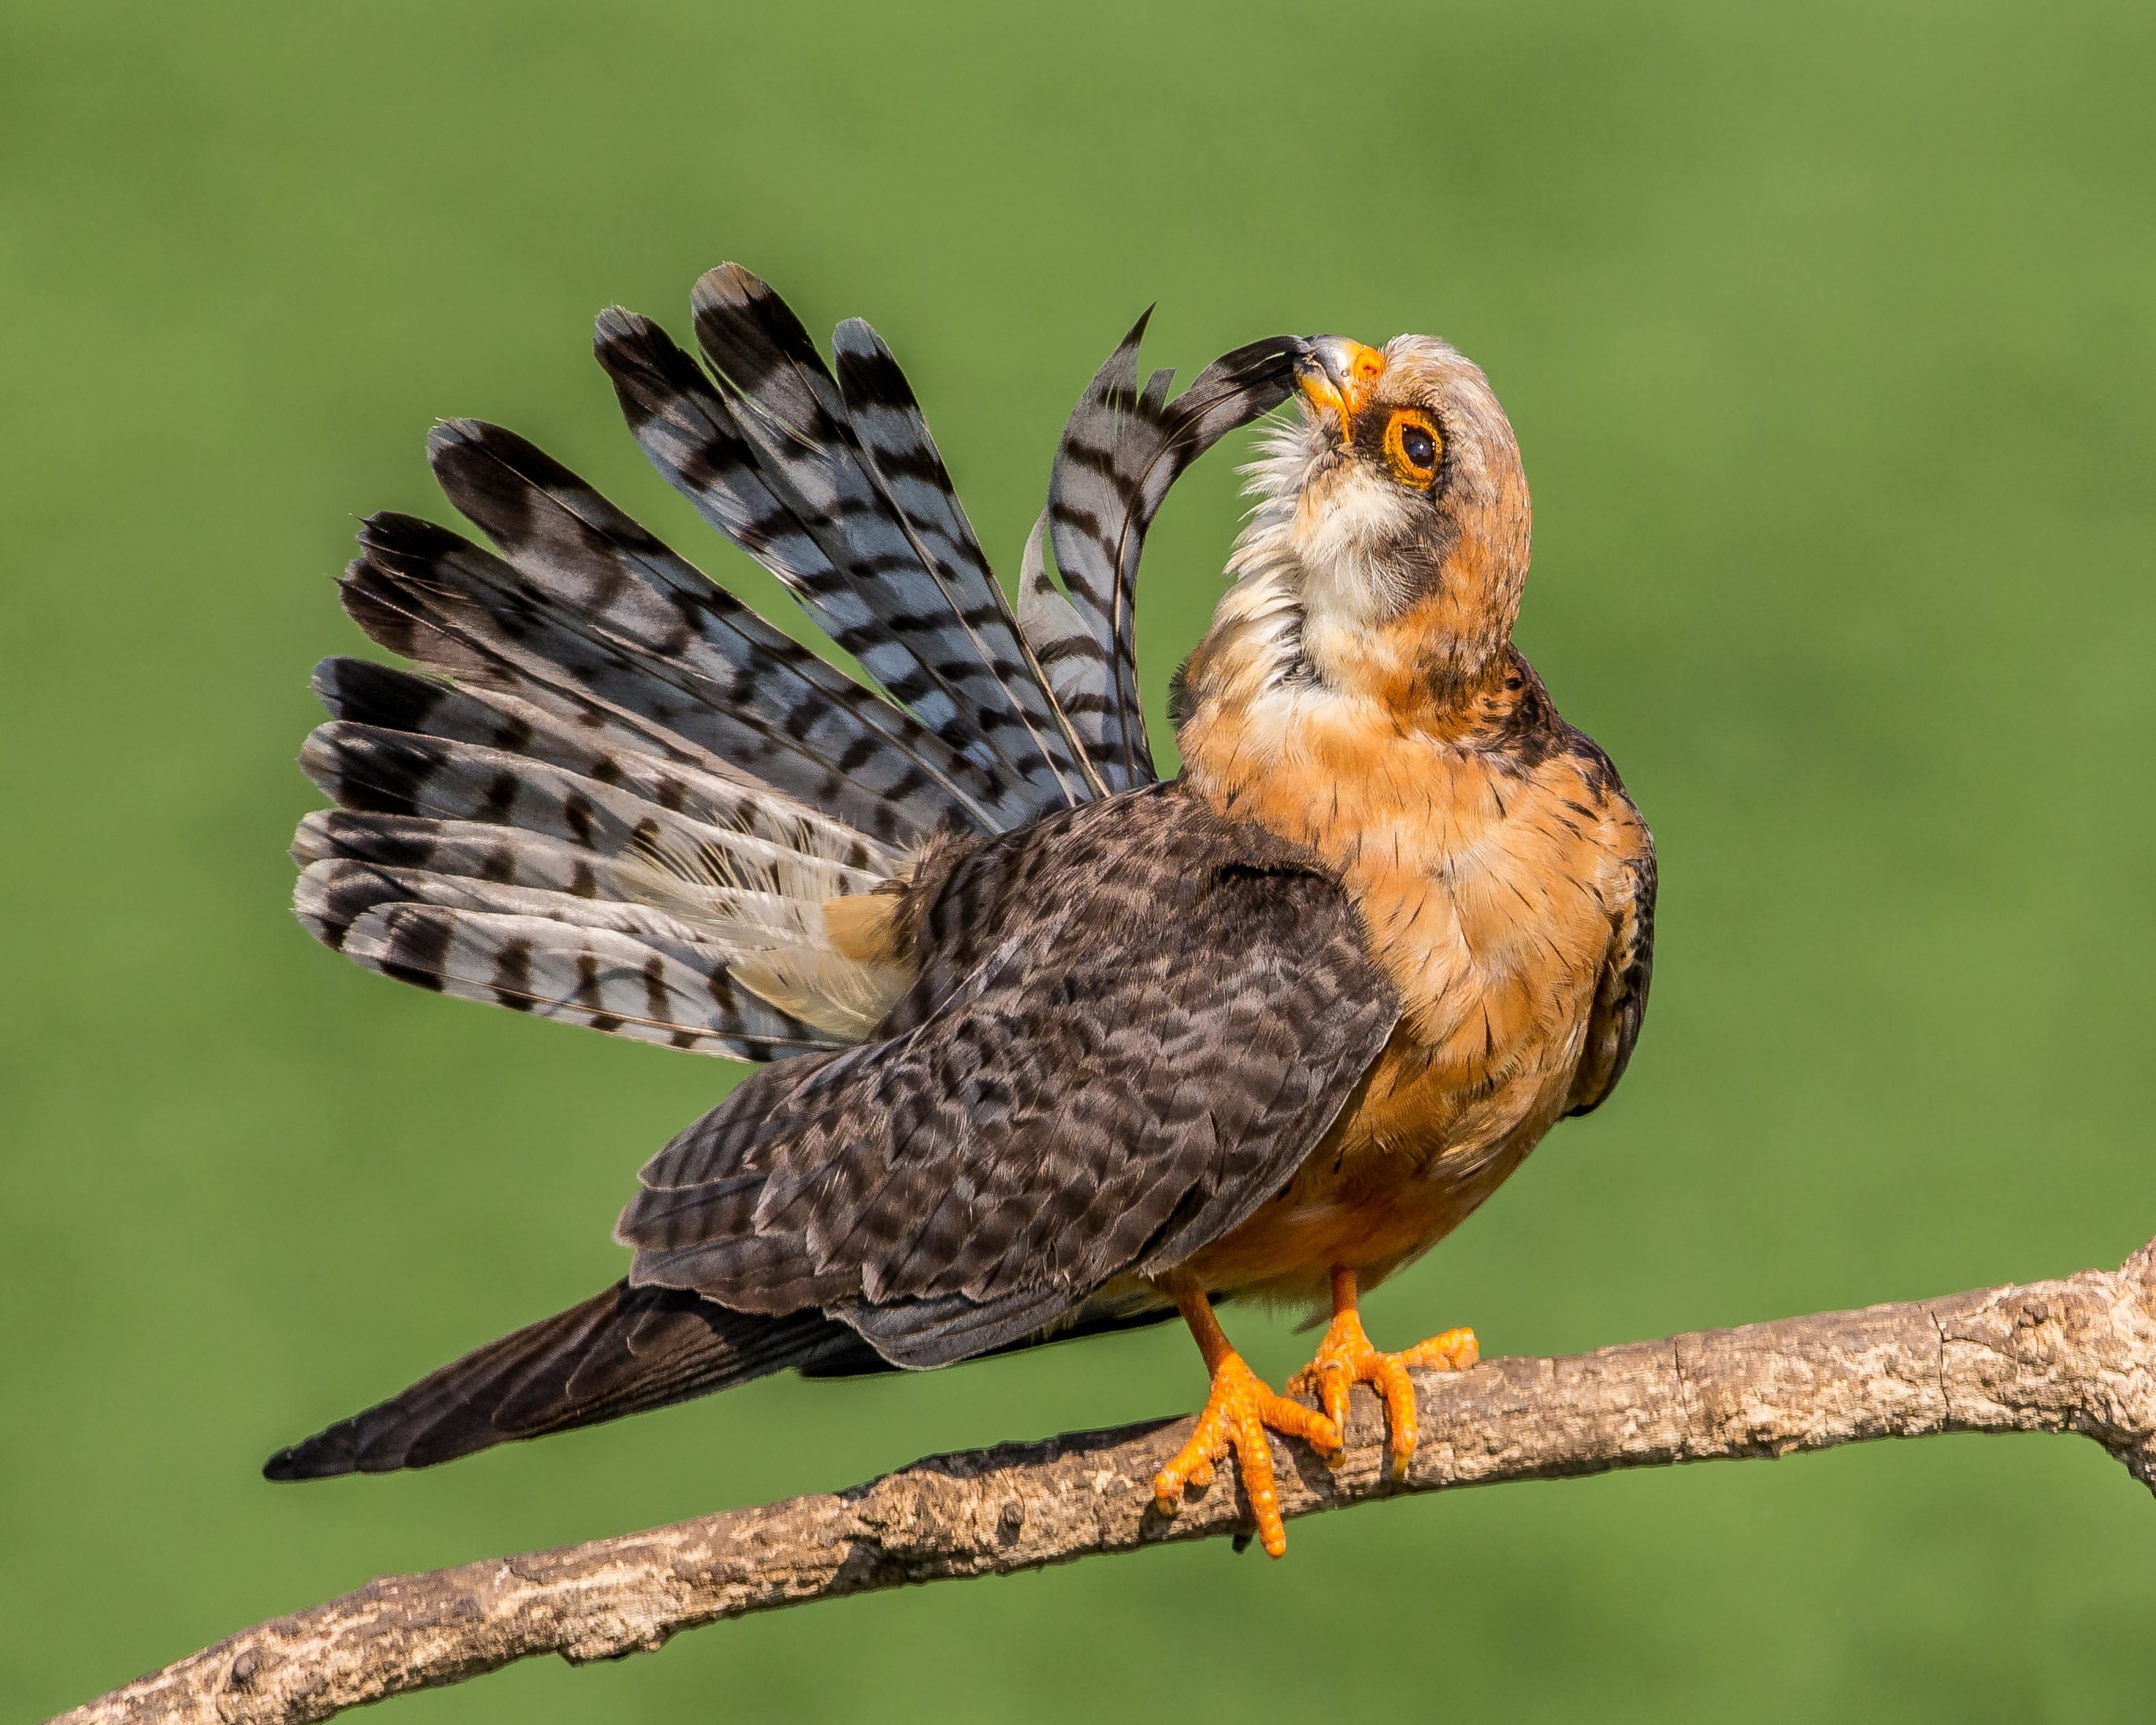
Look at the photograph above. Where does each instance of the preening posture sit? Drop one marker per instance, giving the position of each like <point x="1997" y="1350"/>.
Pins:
<point x="1056" y="1047"/>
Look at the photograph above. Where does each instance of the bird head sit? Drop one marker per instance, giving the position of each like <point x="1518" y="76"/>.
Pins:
<point x="1395" y="506"/>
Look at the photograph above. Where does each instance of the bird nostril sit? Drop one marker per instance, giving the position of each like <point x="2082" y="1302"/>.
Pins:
<point x="1349" y="366"/>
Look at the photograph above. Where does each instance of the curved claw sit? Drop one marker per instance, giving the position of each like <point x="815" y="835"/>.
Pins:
<point x="1346" y="1357"/>
<point x="1238" y="1409"/>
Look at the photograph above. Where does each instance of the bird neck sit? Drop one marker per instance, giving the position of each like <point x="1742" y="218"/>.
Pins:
<point x="1287" y="648"/>
<point x="1306" y="699"/>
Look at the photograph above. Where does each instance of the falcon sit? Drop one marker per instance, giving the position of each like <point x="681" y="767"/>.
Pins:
<point x="1054" y="1047"/>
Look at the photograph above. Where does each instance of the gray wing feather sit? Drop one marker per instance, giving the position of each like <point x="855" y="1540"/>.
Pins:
<point x="1130" y="1026"/>
<point x="1620" y="1004"/>
<point x="998" y="670"/>
<point x="700" y="438"/>
<point x="647" y="989"/>
<point x="395" y="773"/>
<point x="602" y="737"/>
<point x="498" y="857"/>
<point x="622" y="1352"/>
<point x="628" y="592"/>
<point x="426" y="592"/>
<point x="418" y="727"/>
<point x="858" y="519"/>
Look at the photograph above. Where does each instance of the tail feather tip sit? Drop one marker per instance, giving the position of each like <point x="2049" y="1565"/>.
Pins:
<point x="312" y="1458"/>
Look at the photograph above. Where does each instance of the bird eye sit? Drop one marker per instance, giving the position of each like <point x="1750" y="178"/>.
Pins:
<point x="1413" y="445"/>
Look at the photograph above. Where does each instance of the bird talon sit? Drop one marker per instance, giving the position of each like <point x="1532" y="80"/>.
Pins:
<point x="1239" y="1410"/>
<point x="1346" y="1357"/>
<point x="1454" y="1351"/>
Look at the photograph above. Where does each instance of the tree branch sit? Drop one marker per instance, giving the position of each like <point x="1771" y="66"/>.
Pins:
<point x="2077" y="1355"/>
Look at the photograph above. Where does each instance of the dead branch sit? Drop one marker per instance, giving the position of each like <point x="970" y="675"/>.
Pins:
<point x="2077" y="1355"/>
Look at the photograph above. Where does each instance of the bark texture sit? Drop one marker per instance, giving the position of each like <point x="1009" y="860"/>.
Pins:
<point x="2076" y="1355"/>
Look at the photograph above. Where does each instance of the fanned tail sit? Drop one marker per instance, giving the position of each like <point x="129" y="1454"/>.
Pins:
<point x="614" y="795"/>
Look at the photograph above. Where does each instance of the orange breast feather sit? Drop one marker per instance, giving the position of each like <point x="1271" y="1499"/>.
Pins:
<point x="1490" y="879"/>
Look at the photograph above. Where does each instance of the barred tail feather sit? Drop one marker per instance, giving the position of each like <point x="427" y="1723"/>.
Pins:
<point x="1061" y="646"/>
<point x="908" y="469"/>
<point x="769" y="454"/>
<point x="365" y="699"/>
<point x="1122" y="450"/>
<point x="627" y="1350"/>
<point x="546" y="960"/>
<point x="695" y="921"/>
<point x="613" y="794"/>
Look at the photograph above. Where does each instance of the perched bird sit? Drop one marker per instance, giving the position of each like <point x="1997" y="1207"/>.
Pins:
<point x="1057" y="1048"/>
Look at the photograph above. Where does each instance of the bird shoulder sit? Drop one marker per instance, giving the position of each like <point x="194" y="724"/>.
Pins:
<point x="1487" y="845"/>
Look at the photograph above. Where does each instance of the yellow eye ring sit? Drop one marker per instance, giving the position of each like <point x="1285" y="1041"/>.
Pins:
<point x="1413" y="446"/>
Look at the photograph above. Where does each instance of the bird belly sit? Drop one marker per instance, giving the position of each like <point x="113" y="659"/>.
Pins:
<point x="1404" y="1166"/>
<point x="1480" y="898"/>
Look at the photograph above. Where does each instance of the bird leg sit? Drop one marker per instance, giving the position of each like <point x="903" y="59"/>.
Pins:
<point x="1346" y="1357"/>
<point x="1238" y="1409"/>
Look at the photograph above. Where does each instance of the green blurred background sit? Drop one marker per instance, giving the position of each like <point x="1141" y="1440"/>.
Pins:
<point x="1830" y="333"/>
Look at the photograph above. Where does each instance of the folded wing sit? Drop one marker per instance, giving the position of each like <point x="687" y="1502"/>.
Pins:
<point x="951" y="1189"/>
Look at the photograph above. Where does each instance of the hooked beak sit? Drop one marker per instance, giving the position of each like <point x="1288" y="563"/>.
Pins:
<point x="1337" y="374"/>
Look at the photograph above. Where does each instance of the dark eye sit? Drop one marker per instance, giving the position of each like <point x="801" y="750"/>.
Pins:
<point x="1413" y="445"/>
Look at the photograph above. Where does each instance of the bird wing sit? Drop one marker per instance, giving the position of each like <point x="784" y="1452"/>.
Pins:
<point x="1123" y="449"/>
<point x="612" y="795"/>
<point x="623" y="1351"/>
<point x="1620" y="995"/>
<point x="1131" y="1023"/>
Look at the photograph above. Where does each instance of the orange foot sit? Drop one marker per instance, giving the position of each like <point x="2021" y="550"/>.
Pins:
<point x="1346" y="1357"/>
<point x="1238" y="1409"/>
